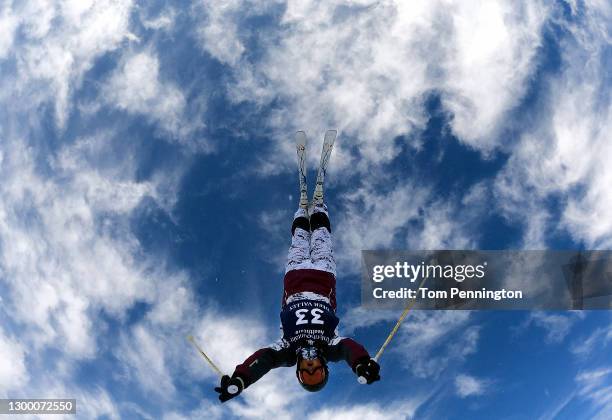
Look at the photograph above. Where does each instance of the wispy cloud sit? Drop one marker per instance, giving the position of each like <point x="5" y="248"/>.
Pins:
<point x="9" y="23"/>
<point x="554" y="410"/>
<point x="140" y="349"/>
<point x="364" y="68"/>
<point x="562" y="155"/>
<point x="59" y="42"/>
<point x="556" y="325"/>
<point x="596" y="386"/>
<point x="61" y="228"/>
<point x="597" y="340"/>
<point x="380" y="215"/>
<point x="361" y="317"/>
<point x="468" y="386"/>
<point x="13" y="371"/>
<point x="430" y="343"/>
<point x="403" y="410"/>
<point x="427" y="342"/>
<point x="164" y="20"/>
<point x="136" y="86"/>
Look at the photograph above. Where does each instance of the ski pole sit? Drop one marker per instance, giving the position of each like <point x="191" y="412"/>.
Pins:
<point x="232" y="389"/>
<point x="210" y="362"/>
<point x="362" y="380"/>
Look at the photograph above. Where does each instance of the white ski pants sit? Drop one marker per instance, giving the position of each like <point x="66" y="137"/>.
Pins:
<point x="311" y="250"/>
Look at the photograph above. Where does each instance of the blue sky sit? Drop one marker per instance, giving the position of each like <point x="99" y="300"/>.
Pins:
<point x="148" y="182"/>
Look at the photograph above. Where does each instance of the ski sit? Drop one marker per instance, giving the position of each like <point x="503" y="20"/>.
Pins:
<point x="300" y="145"/>
<point x="328" y="145"/>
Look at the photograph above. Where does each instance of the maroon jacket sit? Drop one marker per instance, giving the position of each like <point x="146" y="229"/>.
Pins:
<point x="310" y="280"/>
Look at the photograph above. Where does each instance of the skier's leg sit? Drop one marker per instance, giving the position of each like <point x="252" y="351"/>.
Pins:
<point x="321" y="250"/>
<point x="299" y="251"/>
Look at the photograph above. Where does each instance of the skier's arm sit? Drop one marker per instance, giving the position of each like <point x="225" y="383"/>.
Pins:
<point x="343" y="348"/>
<point x="356" y="356"/>
<point x="262" y="361"/>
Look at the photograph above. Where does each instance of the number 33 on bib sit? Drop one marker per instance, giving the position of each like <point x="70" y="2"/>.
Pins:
<point x="308" y="320"/>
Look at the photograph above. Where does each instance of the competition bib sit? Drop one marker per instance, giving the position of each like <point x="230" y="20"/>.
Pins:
<point x="308" y="319"/>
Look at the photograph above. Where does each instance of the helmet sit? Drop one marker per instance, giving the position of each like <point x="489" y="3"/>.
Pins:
<point x="314" y="378"/>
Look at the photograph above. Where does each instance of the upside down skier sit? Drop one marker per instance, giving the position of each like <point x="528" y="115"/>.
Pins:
<point x="308" y="315"/>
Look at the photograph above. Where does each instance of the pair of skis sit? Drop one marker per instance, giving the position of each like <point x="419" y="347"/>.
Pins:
<point x="300" y="144"/>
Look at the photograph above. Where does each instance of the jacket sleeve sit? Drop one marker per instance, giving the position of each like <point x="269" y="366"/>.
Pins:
<point x="342" y="348"/>
<point x="263" y="360"/>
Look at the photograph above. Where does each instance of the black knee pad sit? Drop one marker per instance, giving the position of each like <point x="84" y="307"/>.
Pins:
<point x="318" y="220"/>
<point x="300" y="222"/>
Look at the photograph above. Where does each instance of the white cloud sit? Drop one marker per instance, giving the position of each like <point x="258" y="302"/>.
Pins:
<point x="598" y="339"/>
<point x="376" y="211"/>
<point x="69" y="261"/>
<point x="467" y="386"/>
<point x="361" y="317"/>
<point x="554" y="410"/>
<point x="399" y="410"/>
<point x="164" y="21"/>
<point x="8" y="24"/>
<point x="564" y="155"/>
<point x="556" y="325"/>
<point x="60" y="43"/>
<point x="428" y="342"/>
<point x="174" y="303"/>
<point x="144" y="353"/>
<point x="96" y="403"/>
<point x="592" y="379"/>
<point x="371" y="218"/>
<point x="228" y="340"/>
<point x="595" y="385"/>
<point x="219" y="31"/>
<point x="490" y="56"/>
<point x="206" y="410"/>
<point x="364" y="67"/>
<point x="447" y="226"/>
<point x="13" y="371"/>
<point x="91" y="401"/>
<point x="137" y="87"/>
<point x="68" y="257"/>
<point x="431" y="342"/>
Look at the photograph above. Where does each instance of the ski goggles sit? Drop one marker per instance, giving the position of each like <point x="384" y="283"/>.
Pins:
<point x="311" y="377"/>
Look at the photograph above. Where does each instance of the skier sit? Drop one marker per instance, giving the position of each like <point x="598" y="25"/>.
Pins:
<point x="308" y="315"/>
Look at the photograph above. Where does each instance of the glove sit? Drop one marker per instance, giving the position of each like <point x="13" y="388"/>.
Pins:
<point x="229" y="388"/>
<point x="369" y="370"/>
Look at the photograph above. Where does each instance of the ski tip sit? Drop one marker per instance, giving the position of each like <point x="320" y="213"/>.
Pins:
<point x="190" y="338"/>
<point x="330" y="135"/>
<point x="300" y="137"/>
